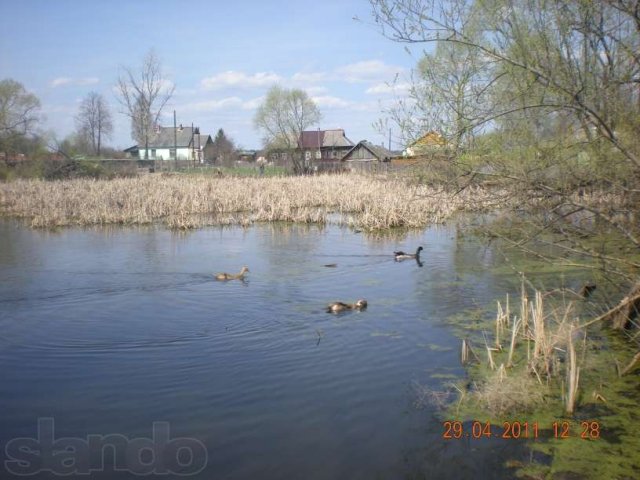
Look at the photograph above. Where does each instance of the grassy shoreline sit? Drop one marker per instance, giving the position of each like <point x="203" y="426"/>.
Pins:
<point x="181" y="201"/>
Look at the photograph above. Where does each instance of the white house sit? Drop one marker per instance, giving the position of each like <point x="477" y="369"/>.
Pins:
<point x="187" y="142"/>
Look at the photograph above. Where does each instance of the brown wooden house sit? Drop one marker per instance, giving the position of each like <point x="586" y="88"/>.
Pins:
<point x="366" y="156"/>
<point x="322" y="146"/>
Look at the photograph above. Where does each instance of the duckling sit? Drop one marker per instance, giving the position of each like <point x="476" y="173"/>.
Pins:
<point x="232" y="276"/>
<point x="337" y="307"/>
<point x="400" y="255"/>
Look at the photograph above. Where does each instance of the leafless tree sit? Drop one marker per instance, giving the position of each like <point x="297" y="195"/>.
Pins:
<point x="143" y="95"/>
<point x="94" y="120"/>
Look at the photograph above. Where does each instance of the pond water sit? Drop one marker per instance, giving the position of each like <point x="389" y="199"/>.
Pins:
<point x="108" y="330"/>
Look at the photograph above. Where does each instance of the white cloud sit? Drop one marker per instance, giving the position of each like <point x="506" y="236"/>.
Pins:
<point x="77" y="82"/>
<point x="388" y="88"/>
<point x="306" y="78"/>
<point x="227" y="103"/>
<point x="368" y="71"/>
<point x="371" y="106"/>
<point x="221" y="104"/>
<point x="185" y="91"/>
<point x="61" y="81"/>
<point x="253" y="103"/>
<point x="316" y="90"/>
<point x="329" y="101"/>
<point x="239" y="80"/>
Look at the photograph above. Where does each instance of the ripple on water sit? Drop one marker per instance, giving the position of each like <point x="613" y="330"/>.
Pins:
<point x="120" y="330"/>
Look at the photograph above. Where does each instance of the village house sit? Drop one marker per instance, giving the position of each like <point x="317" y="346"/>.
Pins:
<point x="427" y="143"/>
<point x="320" y="149"/>
<point x="324" y="145"/>
<point x="181" y="143"/>
<point x="277" y="156"/>
<point x="12" y="159"/>
<point x="366" y="156"/>
<point x="246" y="155"/>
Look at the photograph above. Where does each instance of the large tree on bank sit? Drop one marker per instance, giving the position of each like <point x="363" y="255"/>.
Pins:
<point x="282" y="117"/>
<point x="19" y="112"/>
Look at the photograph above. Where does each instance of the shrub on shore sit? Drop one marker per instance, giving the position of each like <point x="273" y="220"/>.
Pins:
<point x="65" y="169"/>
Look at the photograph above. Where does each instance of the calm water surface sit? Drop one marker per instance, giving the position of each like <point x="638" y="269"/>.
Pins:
<point x="109" y="330"/>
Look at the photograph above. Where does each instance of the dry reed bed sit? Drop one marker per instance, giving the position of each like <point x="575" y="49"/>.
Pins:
<point x="190" y="202"/>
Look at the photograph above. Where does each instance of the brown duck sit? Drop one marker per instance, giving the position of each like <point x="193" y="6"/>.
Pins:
<point x="232" y="276"/>
<point x="337" y="307"/>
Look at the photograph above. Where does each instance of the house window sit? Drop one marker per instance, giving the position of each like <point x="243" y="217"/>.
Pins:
<point x="318" y="154"/>
<point x="334" y="154"/>
<point x="307" y="155"/>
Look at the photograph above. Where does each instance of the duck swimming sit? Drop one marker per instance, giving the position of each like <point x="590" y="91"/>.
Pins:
<point x="400" y="255"/>
<point x="232" y="276"/>
<point x="337" y="307"/>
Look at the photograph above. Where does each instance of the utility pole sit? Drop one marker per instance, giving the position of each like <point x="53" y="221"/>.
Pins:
<point x="389" y="139"/>
<point x="175" y="141"/>
<point x="199" y="149"/>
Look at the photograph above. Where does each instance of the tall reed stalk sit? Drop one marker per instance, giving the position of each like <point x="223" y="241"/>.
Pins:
<point x="519" y="379"/>
<point x="573" y="375"/>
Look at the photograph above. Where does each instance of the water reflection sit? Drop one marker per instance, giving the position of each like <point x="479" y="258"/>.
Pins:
<point x="108" y="330"/>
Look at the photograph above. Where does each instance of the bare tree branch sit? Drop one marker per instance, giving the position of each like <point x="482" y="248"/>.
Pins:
<point x="94" y="120"/>
<point x="143" y="95"/>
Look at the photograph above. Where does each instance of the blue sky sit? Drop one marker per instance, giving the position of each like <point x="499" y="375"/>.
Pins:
<point x="222" y="56"/>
